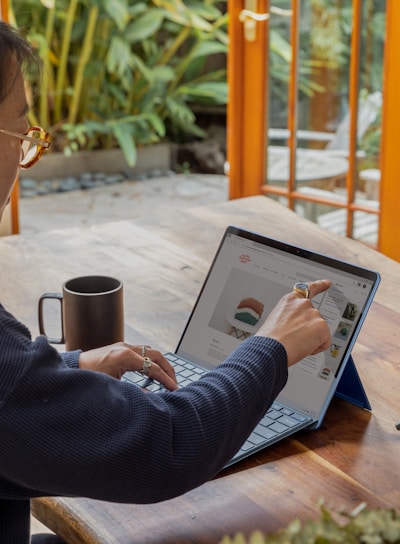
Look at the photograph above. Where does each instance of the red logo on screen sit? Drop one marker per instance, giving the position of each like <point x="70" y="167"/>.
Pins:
<point x="245" y="258"/>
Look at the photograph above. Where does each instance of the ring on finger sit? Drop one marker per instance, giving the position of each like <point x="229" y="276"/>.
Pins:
<point x="146" y="366"/>
<point x="302" y="288"/>
<point x="144" y="348"/>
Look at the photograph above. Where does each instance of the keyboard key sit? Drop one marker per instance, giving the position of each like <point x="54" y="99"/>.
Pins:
<point x="134" y="377"/>
<point x="171" y="357"/>
<point x="246" y="447"/>
<point x="183" y="383"/>
<point x="186" y="373"/>
<point x="299" y="416"/>
<point x="153" y="386"/>
<point x="274" y="414"/>
<point x="278" y="427"/>
<point x="288" y="421"/>
<point x="255" y="439"/>
<point x="266" y="421"/>
<point x="265" y="432"/>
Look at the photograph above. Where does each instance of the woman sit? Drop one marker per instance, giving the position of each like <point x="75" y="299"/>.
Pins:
<point x="66" y="430"/>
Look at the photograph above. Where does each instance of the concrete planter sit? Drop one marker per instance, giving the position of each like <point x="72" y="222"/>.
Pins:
<point x="155" y="158"/>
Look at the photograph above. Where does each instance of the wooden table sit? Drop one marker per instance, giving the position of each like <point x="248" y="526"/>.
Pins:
<point x="162" y="261"/>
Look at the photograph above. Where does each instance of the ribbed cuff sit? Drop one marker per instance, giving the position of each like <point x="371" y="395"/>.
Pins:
<point x="71" y="358"/>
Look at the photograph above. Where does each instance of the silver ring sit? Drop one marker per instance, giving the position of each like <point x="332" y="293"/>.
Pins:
<point x="146" y="366"/>
<point x="144" y="348"/>
<point x="302" y="288"/>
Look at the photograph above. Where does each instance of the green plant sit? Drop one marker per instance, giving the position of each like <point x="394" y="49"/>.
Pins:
<point x="361" y="526"/>
<point x="122" y="72"/>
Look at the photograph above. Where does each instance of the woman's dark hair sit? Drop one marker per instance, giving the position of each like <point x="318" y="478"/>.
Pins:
<point x="12" y="43"/>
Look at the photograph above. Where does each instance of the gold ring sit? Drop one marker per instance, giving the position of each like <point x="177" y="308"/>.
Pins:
<point x="146" y="366"/>
<point x="302" y="288"/>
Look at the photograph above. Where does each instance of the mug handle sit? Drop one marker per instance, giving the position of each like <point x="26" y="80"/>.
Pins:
<point x="57" y="296"/>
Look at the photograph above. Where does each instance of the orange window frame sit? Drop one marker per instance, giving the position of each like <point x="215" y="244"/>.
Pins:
<point x="389" y="232"/>
<point x="246" y="111"/>
<point x="247" y="114"/>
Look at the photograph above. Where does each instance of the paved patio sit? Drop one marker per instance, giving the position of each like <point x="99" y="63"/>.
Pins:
<point x="124" y="200"/>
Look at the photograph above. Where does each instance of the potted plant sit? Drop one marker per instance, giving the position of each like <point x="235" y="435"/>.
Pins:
<point x="363" y="525"/>
<point x="123" y="73"/>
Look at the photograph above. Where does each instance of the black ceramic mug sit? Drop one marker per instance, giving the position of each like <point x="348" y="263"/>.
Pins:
<point x="92" y="312"/>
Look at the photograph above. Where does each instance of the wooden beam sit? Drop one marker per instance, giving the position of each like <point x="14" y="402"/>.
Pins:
<point x="389" y="232"/>
<point x="247" y="77"/>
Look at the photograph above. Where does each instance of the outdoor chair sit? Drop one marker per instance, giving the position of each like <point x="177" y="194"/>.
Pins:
<point x="338" y="142"/>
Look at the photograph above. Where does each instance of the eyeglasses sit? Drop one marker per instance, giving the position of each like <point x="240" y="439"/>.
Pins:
<point x="33" y="144"/>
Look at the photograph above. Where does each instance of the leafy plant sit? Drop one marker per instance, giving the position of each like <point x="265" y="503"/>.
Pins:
<point x="122" y="72"/>
<point x="361" y="526"/>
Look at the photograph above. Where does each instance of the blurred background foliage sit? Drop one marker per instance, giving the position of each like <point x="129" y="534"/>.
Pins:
<point x="123" y="73"/>
<point x="131" y="73"/>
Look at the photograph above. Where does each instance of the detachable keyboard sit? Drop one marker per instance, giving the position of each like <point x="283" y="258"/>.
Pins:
<point x="278" y="422"/>
<point x="185" y="373"/>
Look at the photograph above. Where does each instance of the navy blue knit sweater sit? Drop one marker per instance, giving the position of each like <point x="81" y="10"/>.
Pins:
<point x="57" y="420"/>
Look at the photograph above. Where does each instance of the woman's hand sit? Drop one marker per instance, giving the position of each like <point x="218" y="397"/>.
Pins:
<point x="296" y="324"/>
<point x="118" y="358"/>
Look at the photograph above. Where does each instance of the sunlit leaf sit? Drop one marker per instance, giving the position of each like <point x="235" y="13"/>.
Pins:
<point x="206" y="48"/>
<point x="210" y="92"/>
<point x="280" y="46"/>
<point x="118" y="11"/>
<point x="157" y="124"/>
<point x="124" y="137"/>
<point x="144" y="27"/>
<point x="48" y="3"/>
<point x="199" y="23"/>
<point x="203" y="9"/>
<point x="119" y="56"/>
<point x="163" y="73"/>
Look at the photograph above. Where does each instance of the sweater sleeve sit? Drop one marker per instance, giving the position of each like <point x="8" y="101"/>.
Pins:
<point x="71" y="358"/>
<point x="75" y="432"/>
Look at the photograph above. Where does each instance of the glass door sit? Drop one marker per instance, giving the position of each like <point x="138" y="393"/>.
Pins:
<point x="306" y="108"/>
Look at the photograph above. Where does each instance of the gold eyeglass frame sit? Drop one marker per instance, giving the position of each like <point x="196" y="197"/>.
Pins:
<point x="43" y="143"/>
